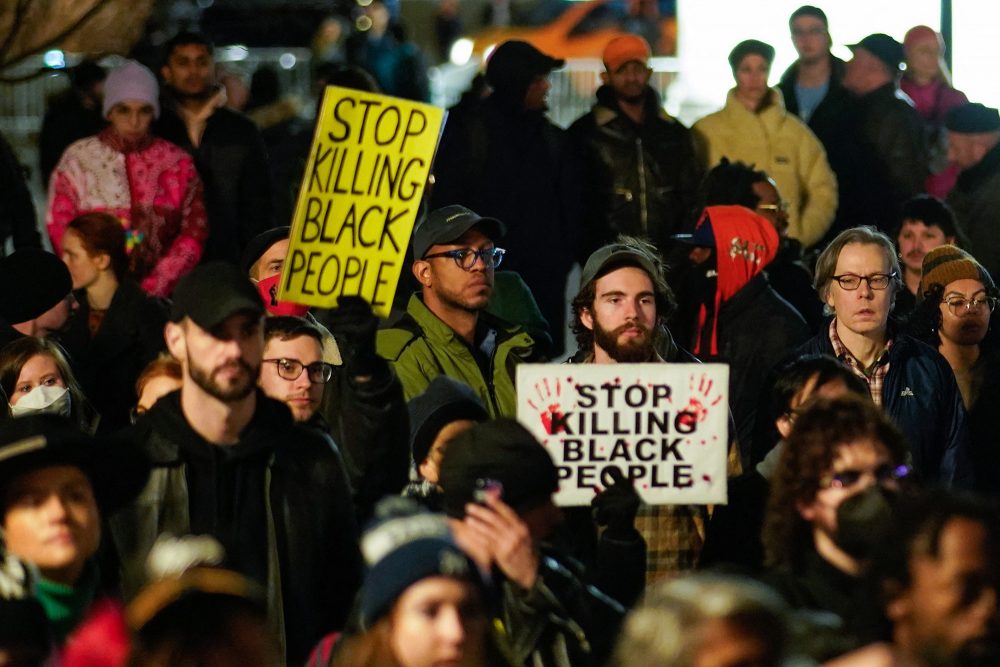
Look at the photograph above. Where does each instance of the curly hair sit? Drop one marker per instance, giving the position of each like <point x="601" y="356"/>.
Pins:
<point x="664" y="296"/>
<point x="810" y="451"/>
<point x="924" y="321"/>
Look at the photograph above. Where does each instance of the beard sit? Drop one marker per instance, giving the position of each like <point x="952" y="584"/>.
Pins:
<point x="637" y="349"/>
<point x="237" y="391"/>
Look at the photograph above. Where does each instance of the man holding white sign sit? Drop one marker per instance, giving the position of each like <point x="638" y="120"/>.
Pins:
<point x="664" y="427"/>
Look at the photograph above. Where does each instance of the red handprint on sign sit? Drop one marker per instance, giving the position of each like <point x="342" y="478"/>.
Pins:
<point x="551" y="414"/>
<point x="700" y="401"/>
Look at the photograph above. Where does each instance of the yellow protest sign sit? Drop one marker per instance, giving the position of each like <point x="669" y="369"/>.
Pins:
<point x="359" y="198"/>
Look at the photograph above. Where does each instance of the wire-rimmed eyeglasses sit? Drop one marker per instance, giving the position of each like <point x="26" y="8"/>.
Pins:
<point x="959" y="305"/>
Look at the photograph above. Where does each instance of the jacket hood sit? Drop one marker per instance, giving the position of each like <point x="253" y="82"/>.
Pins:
<point x="167" y="417"/>
<point x="745" y="243"/>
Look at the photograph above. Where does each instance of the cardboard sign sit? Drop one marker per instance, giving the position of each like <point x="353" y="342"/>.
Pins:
<point x="665" y="426"/>
<point x="359" y="199"/>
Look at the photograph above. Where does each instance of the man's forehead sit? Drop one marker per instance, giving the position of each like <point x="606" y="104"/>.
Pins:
<point x="615" y="279"/>
<point x="473" y="237"/>
<point x="301" y="343"/>
<point x="856" y="253"/>
<point x="807" y="21"/>
<point x="192" y="50"/>
<point x="276" y="250"/>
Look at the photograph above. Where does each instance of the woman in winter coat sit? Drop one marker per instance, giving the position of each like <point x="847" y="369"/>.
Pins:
<point x="754" y="128"/>
<point x="149" y="184"/>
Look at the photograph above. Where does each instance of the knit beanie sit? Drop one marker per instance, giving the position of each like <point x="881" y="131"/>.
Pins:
<point x="445" y="400"/>
<point x="946" y="264"/>
<point x="33" y="282"/>
<point x="131" y="81"/>
<point x="403" y="545"/>
<point x="500" y="450"/>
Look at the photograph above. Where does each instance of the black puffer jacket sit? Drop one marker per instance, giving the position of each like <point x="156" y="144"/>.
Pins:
<point x="281" y="480"/>
<point x="639" y="179"/>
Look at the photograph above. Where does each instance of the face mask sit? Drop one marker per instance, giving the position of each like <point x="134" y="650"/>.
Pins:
<point x="43" y="400"/>
<point x="268" y="289"/>
<point x="863" y="518"/>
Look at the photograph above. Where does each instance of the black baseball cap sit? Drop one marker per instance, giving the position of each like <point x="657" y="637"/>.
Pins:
<point x="212" y="293"/>
<point x="883" y="47"/>
<point x="447" y="224"/>
<point x="616" y="254"/>
<point x="117" y="468"/>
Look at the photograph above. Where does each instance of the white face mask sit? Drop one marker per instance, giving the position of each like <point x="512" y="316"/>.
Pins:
<point x="43" y="400"/>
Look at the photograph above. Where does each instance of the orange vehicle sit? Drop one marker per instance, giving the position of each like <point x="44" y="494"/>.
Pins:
<point x="584" y="28"/>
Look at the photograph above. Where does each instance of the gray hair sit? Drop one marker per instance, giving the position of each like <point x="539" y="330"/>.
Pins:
<point x="664" y="629"/>
<point x="826" y="263"/>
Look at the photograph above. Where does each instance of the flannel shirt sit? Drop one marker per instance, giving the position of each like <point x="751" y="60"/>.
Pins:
<point x="874" y="375"/>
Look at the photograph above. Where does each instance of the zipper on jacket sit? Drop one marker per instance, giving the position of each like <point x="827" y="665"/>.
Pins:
<point x="643" y="214"/>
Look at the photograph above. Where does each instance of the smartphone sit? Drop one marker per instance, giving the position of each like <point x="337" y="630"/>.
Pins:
<point x="487" y="487"/>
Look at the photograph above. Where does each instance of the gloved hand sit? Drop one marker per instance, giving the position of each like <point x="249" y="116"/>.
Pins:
<point x="616" y="506"/>
<point x="353" y="325"/>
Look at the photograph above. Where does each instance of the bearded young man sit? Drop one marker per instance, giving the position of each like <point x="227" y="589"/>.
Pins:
<point x="230" y="462"/>
<point x="618" y="317"/>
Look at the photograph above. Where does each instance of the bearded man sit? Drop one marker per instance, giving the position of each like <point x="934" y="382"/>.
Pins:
<point x="618" y="317"/>
<point x="232" y="463"/>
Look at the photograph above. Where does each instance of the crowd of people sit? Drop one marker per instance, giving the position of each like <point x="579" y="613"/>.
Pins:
<point x="194" y="471"/>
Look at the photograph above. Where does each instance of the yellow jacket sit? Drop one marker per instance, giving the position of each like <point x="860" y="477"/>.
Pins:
<point x="783" y="146"/>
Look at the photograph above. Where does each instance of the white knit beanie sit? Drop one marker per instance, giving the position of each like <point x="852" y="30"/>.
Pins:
<point x="131" y="81"/>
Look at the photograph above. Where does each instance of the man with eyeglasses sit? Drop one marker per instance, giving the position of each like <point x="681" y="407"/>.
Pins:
<point x="293" y="370"/>
<point x="232" y="463"/>
<point x="958" y="298"/>
<point x="831" y="499"/>
<point x="361" y="402"/>
<point x="445" y="330"/>
<point x="639" y="163"/>
<point x="858" y="276"/>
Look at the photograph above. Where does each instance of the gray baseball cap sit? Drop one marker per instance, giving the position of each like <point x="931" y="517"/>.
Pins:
<point x="613" y="254"/>
<point x="447" y="224"/>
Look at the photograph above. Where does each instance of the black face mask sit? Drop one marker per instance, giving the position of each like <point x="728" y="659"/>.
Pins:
<point x="863" y="518"/>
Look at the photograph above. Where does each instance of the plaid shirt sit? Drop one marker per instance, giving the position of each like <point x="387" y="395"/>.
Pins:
<point x="874" y="375"/>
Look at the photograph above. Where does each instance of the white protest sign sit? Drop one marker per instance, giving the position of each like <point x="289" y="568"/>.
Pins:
<point x="665" y="426"/>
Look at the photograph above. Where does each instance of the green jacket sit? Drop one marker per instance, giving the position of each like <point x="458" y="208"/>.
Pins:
<point x="421" y="347"/>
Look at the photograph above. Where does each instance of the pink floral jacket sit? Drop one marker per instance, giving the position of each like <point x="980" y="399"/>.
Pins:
<point x="152" y="187"/>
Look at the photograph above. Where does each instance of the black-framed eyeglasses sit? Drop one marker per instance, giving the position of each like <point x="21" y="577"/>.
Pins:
<point x="959" y="305"/>
<point x="320" y="372"/>
<point x="876" y="281"/>
<point x="466" y="258"/>
<point x="886" y="473"/>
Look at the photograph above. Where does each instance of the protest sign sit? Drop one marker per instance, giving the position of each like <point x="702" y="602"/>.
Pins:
<point x="665" y="426"/>
<point x="359" y="198"/>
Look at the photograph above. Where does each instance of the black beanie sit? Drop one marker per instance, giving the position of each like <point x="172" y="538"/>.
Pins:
<point x="514" y="64"/>
<point x="445" y="400"/>
<point x="33" y="282"/>
<point x="260" y="244"/>
<point x="746" y="47"/>
<point x="972" y="118"/>
<point x="500" y="450"/>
